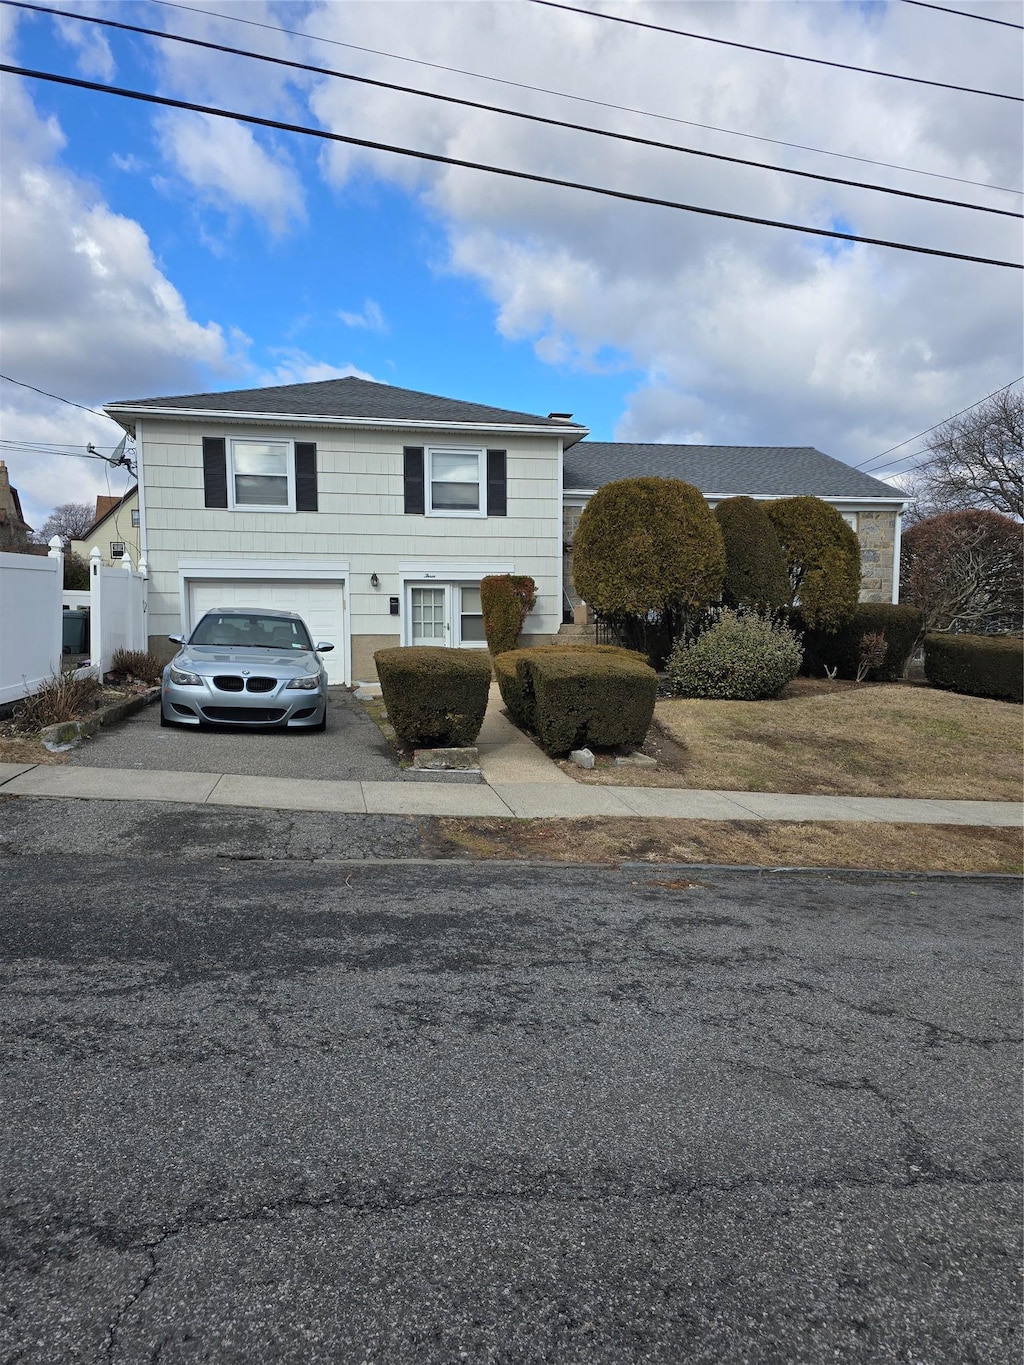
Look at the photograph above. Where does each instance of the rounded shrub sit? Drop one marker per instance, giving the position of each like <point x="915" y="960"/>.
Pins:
<point x="506" y="599"/>
<point x="755" y="571"/>
<point x="822" y="556"/>
<point x="648" y="546"/>
<point x="435" y="697"/>
<point x="741" y="657"/>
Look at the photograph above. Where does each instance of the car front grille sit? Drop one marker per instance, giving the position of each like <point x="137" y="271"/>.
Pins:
<point x="231" y="682"/>
<point x="246" y="715"/>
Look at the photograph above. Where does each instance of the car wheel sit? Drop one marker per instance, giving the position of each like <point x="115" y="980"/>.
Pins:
<point x="166" y="724"/>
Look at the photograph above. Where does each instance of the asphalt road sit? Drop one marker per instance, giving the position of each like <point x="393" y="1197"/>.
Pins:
<point x="351" y="749"/>
<point x="291" y="1107"/>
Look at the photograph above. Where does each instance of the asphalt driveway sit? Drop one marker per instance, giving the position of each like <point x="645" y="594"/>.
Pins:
<point x="352" y="748"/>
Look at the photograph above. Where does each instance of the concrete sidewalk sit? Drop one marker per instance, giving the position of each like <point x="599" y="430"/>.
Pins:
<point x="519" y="799"/>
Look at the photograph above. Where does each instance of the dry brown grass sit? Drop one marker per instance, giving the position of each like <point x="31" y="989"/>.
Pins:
<point x="20" y="749"/>
<point x="837" y="739"/>
<point x="746" y="843"/>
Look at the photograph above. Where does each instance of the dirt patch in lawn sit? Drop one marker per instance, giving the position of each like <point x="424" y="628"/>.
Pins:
<point x="746" y="843"/>
<point x="840" y="739"/>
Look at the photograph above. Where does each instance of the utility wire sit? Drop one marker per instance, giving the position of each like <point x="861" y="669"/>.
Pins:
<point x="775" y="52"/>
<point x="505" y="171"/>
<point x="944" y="9"/>
<point x="95" y="411"/>
<point x="497" y="109"/>
<point x="580" y="99"/>
<point x="874" y="458"/>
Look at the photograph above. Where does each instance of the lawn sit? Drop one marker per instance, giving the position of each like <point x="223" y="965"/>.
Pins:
<point x="838" y="739"/>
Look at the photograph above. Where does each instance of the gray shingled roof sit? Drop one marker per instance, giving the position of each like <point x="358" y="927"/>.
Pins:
<point x="771" y="471"/>
<point x="349" y="397"/>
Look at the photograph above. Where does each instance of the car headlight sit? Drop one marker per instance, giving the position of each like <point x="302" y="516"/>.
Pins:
<point x="308" y="684"/>
<point x="182" y="679"/>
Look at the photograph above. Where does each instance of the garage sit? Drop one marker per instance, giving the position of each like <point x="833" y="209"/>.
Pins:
<point x="320" y="603"/>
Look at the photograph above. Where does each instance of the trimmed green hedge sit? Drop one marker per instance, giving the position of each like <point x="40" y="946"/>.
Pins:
<point x="571" y="695"/>
<point x="978" y="665"/>
<point x="840" y="649"/>
<point x="506" y="599"/>
<point x="435" y="697"/>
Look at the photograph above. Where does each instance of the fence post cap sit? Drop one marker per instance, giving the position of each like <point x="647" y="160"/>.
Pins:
<point x="94" y="553"/>
<point x="143" y="568"/>
<point x="56" y="547"/>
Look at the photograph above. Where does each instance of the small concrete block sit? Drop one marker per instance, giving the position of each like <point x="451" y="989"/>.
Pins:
<point x="635" y="760"/>
<point x="367" y="692"/>
<point x="583" y="758"/>
<point x="450" y="760"/>
<point x="446" y="775"/>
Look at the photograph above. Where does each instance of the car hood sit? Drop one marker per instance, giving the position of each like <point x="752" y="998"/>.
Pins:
<point x="279" y="663"/>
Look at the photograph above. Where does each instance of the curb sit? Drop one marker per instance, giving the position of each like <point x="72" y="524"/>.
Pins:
<point x="68" y="733"/>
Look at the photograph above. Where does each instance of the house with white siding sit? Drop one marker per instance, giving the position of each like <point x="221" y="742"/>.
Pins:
<point x="374" y="511"/>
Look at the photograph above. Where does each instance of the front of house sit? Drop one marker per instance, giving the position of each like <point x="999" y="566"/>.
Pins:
<point x="374" y="511"/>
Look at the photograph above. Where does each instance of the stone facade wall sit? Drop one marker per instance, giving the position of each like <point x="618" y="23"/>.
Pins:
<point x="876" y="532"/>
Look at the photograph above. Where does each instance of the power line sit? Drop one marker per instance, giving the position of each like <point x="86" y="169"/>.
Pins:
<point x="505" y="171"/>
<point x="944" y="9"/>
<point x="95" y="411"/>
<point x="776" y="52"/>
<point x="580" y="99"/>
<point x="497" y="109"/>
<point x="874" y="458"/>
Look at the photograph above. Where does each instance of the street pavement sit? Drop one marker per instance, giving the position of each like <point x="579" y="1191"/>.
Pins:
<point x="307" y="1108"/>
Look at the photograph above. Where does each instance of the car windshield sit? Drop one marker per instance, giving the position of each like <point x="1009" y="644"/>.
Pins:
<point x="237" y="630"/>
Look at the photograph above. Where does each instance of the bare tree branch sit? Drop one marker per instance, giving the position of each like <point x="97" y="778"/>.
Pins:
<point x="977" y="459"/>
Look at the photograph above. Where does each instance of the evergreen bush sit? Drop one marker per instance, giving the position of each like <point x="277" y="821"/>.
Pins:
<point x="755" y="571"/>
<point x="506" y="599"/>
<point x="822" y="556"/>
<point x="741" y="657"/>
<point x="839" y="650"/>
<point x="513" y="672"/>
<point x="978" y="665"/>
<point x="435" y="697"/>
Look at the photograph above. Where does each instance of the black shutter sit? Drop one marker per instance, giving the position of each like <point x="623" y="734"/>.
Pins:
<point x="215" y="471"/>
<point x="414" y="493"/>
<point x="305" y="476"/>
<point x="497" y="496"/>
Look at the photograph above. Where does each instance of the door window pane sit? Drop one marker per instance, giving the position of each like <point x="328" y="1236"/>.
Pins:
<point x="427" y="614"/>
<point x="261" y="473"/>
<point x="454" y="481"/>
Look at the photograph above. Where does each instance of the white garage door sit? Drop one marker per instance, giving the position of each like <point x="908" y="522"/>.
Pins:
<point x="320" y="604"/>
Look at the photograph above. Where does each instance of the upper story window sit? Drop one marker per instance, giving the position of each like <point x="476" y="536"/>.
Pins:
<point x="456" y="482"/>
<point x="261" y="476"/>
<point x="135" y="516"/>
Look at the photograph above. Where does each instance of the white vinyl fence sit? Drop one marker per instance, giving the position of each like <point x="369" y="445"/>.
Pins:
<point x="31" y="633"/>
<point x="31" y="609"/>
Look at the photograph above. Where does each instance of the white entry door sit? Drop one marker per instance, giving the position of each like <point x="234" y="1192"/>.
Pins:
<point x="446" y="614"/>
<point x="319" y="603"/>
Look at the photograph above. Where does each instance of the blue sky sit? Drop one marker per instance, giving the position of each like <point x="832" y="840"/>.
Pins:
<point x="149" y="252"/>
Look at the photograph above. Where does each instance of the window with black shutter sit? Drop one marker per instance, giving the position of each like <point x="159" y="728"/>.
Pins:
<point x="305" y="476"/>
<point x="414" y="485"/>
<point x="497" y="486"/>
<point x="215" y="471"/>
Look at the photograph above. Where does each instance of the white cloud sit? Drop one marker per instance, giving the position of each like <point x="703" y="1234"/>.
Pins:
<point x="371" y="318"/>
<point x="87" y="314"/>
<point x="296" y="367"/>
<point x="94" y="57"/>
<point x="225" y="163"/>
<point x="743" y="333"/>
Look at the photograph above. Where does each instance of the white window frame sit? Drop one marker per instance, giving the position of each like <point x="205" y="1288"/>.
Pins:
<point x="289" y="447"/>
<point x="477" y="513"/>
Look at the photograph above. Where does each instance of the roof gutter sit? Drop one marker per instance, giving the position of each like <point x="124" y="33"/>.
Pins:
<point x="896" y="499"/>
<point x="126" y="415"/>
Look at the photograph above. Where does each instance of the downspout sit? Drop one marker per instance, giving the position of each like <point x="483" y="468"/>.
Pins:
<point x="897" y="537"/>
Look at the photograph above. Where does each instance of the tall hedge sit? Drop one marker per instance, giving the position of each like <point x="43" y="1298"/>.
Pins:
<point x="840" y="649"/>
<point x="648" y="551"/>
<point x="435" y="697"/>
<point x="822" y="556"/>
<point x="506" y="599"/>
<point x="755" y="571"/>
<point x="979" y="665"/>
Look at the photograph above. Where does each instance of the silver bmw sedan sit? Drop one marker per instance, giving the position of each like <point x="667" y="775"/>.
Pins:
<point x="247" y="666"/>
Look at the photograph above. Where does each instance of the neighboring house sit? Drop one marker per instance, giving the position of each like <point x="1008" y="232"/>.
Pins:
<point x="375" y="511"/>
<point x="115" y="530"/>
<point x="871" y="507"/>
<point x="372" y="511"/>
<point x="14" y="529"/>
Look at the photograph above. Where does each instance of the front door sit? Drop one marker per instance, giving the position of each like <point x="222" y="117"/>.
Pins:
<point x="431" y="615"/>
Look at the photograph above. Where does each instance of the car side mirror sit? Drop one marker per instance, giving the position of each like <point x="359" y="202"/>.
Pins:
<point x="324" y="647"/>
<point x="176" y="639"/>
